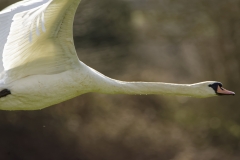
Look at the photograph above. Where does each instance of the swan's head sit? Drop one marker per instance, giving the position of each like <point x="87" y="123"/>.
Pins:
<point x="210" y="89"/>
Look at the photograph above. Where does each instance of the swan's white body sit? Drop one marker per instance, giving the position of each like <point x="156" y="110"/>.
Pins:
<point x="40" y="65"/>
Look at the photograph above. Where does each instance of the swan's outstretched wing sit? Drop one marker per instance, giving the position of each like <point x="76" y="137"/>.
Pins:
<point x="6" y="17"/>
<point x="36" y="38"/>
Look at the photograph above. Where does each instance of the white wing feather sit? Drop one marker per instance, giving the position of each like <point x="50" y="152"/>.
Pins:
<point x="6" y="17"/>
<point x="29" y="51"/>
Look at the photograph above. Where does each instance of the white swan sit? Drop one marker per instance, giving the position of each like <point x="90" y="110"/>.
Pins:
<point x="41" y="68"/>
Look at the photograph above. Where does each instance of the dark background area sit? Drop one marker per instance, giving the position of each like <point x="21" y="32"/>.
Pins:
<point x="177" y="41"/>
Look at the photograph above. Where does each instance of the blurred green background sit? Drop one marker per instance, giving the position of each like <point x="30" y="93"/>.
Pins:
<point x="177" y="41"/>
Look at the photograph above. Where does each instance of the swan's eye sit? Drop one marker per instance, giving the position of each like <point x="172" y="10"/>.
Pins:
<point x="215" y="85"/>
<point x="4" y="93"/>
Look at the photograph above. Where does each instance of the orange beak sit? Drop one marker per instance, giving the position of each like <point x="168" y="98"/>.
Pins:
<point x="223" y="91"/>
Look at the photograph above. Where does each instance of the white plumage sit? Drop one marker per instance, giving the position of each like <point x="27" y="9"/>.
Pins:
<point x="40" y="65"/>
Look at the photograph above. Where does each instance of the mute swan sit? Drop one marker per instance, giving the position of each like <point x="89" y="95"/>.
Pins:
<point x="41" y="68"/>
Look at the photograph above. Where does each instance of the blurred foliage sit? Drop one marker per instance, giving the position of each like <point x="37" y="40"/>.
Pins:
<point x="106" y="23"/>
<point x="147" y="40"/>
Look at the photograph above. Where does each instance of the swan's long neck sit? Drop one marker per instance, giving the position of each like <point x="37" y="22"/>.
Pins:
<point x="103" y="84"/>
<point x="111" y="86"/>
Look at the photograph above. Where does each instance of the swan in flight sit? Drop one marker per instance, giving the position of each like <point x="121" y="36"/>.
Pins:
<point x="40" y="67"/>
